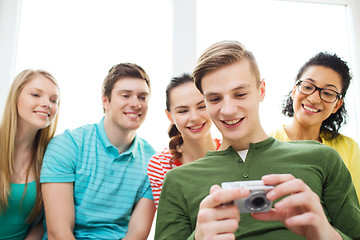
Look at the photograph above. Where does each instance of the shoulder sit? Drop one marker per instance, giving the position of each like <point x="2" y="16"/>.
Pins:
<point x="76" y="133"/>
<point x="161" y="158"/>
<point x="280" y="134"/>
<point x="347" y="147"/>
<point x="165" y="154"/>
<point x="308" y="145"/>
<point x="210" y="161"/>
<point x="307" y="151"/>
<point x="72" y="140"/>
<point x="342" y="140"/>
<point x="145" y="147"/>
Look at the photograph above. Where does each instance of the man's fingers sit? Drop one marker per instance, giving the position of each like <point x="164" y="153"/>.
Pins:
<point x="306" y="200"/>
<point x="286" y="184"/>
<point x="220" y="197"/>
<point x="214" y="188"/>
<point x="275" y="179"/>
<point x="272" y="215"/>
<point x="219" y="213"/>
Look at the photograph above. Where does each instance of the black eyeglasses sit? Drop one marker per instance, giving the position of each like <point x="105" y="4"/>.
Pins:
<point x="326" y="95"/>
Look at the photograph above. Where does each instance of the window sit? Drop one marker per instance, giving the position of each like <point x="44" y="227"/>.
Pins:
<point x="79" y="41"/>
<point x="283" y="35"/>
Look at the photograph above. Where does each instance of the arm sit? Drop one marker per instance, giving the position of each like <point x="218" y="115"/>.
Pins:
<point x="300" y="210"/>
<point x="156" y="176"/>
<point x="59" y="209"/>
<point x="36" y="232"/>
<point x="141" y="220"/>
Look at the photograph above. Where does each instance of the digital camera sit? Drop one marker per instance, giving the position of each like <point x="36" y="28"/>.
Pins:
<point x="256" y="201"/>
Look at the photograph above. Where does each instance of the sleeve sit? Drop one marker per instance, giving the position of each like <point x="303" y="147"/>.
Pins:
<point x="147" y="193"/>
<point x="156" y="177"/>
<point x="172" y="221"/>
<point x="59" y="162"/>
<point x="354" y="165"/>
<point x="339" y="196"/>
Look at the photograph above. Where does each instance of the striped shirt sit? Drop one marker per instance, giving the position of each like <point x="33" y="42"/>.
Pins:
<point x="159" y="166"/>
<point x="107" y="184"/>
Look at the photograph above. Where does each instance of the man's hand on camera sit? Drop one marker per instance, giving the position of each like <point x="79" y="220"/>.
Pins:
<point x="216" y="217"/>
<point x="300" y="210"/>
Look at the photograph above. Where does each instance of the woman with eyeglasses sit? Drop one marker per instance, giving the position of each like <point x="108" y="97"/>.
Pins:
<point x="317" y="106"/>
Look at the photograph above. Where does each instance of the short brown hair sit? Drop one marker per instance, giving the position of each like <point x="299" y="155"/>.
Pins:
<point x="120" y="71"/>
<point x="222" y="54"/>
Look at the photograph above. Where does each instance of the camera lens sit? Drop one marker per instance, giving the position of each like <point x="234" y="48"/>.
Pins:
<point x="257" y="202"/>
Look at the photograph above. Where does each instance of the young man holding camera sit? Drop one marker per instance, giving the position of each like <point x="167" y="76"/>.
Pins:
<point x="313" y="191"/>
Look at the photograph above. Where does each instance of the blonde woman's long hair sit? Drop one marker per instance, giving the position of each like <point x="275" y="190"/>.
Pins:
<point x="8" y="130"/>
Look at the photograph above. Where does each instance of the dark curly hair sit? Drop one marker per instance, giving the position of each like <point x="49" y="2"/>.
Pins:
<point x="176" y="139"/>
<point x="330" y="126"/>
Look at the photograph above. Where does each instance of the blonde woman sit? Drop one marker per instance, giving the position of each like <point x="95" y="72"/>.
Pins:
<point x="29" y="122"/>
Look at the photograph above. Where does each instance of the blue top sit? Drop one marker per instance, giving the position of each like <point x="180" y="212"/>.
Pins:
<point x="107" y="185"/>
<point x="13" y="223"/>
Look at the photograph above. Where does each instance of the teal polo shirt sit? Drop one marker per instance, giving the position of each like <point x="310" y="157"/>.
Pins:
<point x="107" y="185"/>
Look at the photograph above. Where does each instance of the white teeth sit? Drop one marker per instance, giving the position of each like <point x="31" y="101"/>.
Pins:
<point x="132" y="115"/>
<point x="42" y="113"/>
<point x="232" y="122"/>
<point x="310" y="109"/>
<point x="197" y="127"/>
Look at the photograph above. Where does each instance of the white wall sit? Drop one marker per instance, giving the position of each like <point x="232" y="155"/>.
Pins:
<point x="9" y="26"/>
<point x="184" y="50"/>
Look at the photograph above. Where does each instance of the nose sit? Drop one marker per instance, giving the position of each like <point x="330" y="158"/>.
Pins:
<point x="46" y="103"/>
<point x="193" y="115"/>
<point x="135" y="103"/>
<point x="314" y="97"/>
<point x="228" y="108"/>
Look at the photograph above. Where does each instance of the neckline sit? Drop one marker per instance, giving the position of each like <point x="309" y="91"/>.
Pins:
<point x="23" y="183"/>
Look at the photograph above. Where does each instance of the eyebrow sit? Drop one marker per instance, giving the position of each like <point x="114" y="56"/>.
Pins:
<point x="201" y="102"/>
<point x="181" y="107"/>
<point x="242" y="86"/>
<point x="327" y="85"/>
<point x="40" y="90"/>
<point x="37" y="89"/>
<point x="131" y="91"/>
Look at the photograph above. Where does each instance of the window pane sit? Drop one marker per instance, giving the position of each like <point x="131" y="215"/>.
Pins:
<point x="79" y="41"/>
<point x="282" y="35"/>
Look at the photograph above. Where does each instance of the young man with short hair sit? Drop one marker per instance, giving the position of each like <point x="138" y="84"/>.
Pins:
<point x="313" y="194"/>
<point x="94" y="179"/>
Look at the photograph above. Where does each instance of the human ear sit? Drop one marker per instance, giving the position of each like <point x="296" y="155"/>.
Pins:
<point x="169" y="116"/>
<point x="293" y="92"/>
<point x="337" y="105"/>
<point x="262" y="90"/>
<point x="105" y="102"/>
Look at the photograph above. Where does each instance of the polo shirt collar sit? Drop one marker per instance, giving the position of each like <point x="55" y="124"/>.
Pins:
<point x="111" y="148"/>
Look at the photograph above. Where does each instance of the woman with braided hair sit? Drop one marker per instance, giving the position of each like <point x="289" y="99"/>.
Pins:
<point x="189" y="132"/>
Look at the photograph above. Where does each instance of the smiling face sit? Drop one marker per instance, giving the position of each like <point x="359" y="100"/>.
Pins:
<point x="232" y="100"/>
<point x="37" y="104"/>
<point x="311" y="110"/>
<point x="128" y="105"/>
<point x="188" y="112"/>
